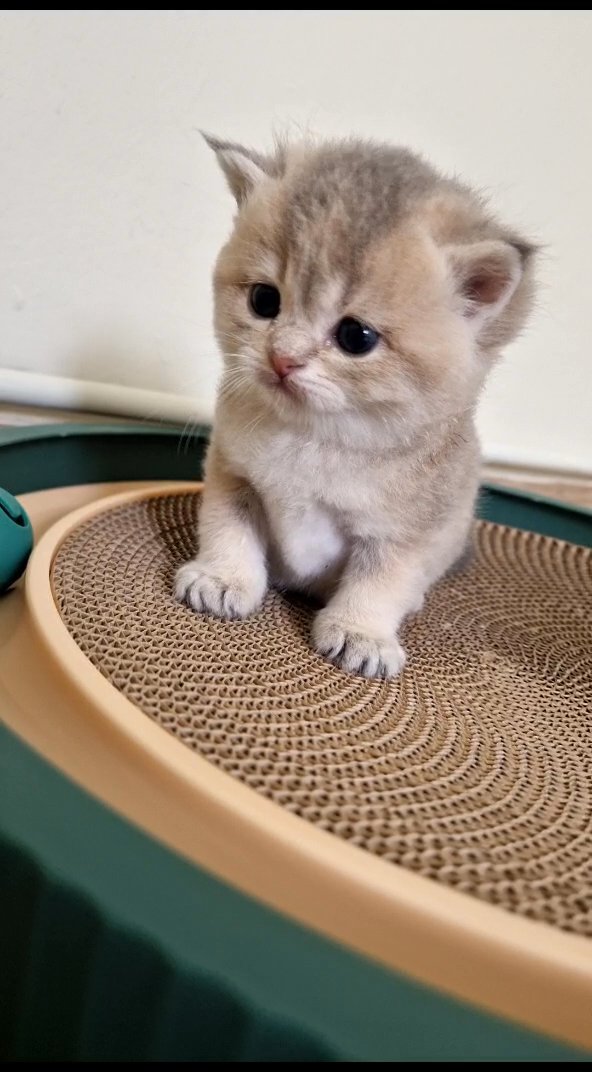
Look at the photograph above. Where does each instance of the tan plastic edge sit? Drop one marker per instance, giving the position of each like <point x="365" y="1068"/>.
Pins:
<point x="73" y="716"/>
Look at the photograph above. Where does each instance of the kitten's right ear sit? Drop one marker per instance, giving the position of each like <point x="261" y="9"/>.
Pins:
<point x="244" y="169"/>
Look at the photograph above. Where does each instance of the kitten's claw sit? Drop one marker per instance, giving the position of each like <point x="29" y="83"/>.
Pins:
<point x="205" y="593"/>
<point x="356" y="653"/>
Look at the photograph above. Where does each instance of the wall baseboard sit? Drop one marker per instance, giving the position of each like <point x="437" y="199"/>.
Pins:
<point x="90" y="396"/>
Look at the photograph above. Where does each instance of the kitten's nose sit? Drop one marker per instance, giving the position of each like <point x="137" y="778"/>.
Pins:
<point x="283" y="365"/>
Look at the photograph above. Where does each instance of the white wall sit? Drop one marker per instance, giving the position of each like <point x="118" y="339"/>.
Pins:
<point x="112" y="208"/>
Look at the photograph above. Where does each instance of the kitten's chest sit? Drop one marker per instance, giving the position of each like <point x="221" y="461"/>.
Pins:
<point x="312" y="485"/>
<point x="297" y="475"/>
<point x="305" y="510"/>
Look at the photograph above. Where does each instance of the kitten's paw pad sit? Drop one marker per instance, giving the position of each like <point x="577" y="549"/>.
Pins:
<point x="356" y="653"/>
<point x="207" y="594"/>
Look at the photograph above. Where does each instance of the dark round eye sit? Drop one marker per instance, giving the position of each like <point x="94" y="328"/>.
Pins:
<point x="265" y="300"/>
<point x="354" y="337"/>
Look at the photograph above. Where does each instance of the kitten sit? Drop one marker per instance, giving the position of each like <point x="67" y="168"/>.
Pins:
<point x="359" y="303"/>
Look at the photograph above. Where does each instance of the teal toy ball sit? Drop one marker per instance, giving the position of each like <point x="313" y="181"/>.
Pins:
<point x="16" y="539"/>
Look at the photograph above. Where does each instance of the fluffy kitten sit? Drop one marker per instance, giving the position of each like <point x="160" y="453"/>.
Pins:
<point x="359" y="303"/>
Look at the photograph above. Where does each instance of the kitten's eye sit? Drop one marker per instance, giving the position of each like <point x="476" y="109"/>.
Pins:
<point x="265" y="300"/>
<point x="354" y="337"/>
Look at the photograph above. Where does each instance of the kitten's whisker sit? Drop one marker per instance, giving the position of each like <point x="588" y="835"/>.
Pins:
<point x="189" y="429"/>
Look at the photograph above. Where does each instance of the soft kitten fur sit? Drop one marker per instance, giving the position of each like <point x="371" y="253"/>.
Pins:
<point x="354" y="478"/>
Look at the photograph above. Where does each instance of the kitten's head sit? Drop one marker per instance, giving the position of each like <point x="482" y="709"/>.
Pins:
<point x="359" y="282"/>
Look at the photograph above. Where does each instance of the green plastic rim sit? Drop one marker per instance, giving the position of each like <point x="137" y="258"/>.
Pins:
<point x="49" y="456"/>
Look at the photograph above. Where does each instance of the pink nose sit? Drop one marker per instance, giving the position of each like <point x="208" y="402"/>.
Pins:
<point x="283" y="365"/>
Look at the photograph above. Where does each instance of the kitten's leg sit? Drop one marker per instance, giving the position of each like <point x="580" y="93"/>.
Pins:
<point x="228" y="577"/>
<point x="357" y="630"/>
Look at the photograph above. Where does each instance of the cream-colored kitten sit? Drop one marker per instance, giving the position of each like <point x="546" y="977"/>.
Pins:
<point x="360" y="303"/>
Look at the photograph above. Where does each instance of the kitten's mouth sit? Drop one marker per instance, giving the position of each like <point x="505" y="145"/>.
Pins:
<point x="288" y="386"/>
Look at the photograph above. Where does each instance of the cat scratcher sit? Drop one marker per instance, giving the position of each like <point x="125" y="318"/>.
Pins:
<point x="399" y="870"/>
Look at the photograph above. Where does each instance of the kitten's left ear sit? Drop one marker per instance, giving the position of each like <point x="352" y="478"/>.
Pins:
<point x="244" y="169"/>
<point x="486" y="277"/>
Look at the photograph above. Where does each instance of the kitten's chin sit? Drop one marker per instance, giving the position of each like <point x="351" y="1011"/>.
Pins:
<point x="293" y="396"/>
<point x="282" y="392"/>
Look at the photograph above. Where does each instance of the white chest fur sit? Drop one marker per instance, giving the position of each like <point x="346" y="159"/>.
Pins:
<point x="309" y="542"/>
<point x="299" y="487"/>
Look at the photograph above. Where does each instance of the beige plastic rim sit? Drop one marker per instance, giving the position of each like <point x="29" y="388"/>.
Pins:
<point x="69" y="712"/>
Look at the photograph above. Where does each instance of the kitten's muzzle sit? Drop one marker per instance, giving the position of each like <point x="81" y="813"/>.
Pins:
<point x="283" y="365"/>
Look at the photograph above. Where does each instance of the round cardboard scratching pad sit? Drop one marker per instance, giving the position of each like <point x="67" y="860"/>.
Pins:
<point x="474" y="768"/>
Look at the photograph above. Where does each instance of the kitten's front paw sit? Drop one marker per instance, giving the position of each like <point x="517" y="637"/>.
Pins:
<point x="206" y="593"/>
<point x="381" y="657"/>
